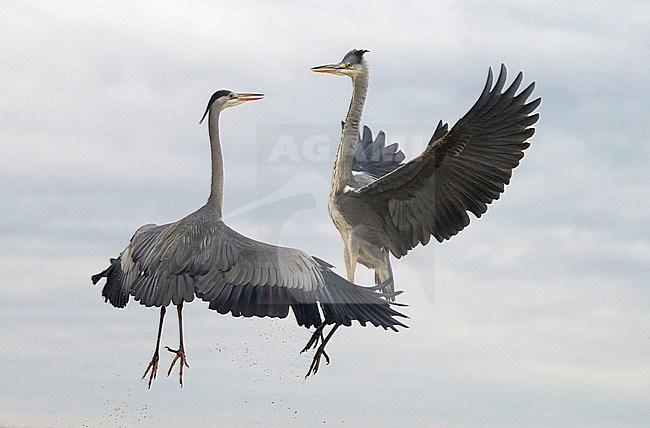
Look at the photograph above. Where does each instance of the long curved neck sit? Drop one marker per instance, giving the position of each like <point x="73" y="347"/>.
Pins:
<point x="350" y="135"/>
<point x="216" y="193"/>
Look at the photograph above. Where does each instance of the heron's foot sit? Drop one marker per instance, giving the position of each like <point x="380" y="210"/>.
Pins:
<point x="388" y="295"/>
<point x="388" y="290"/>
<point x="313" y="340"/>
<point x="315" y="363"/>
<point x="180" y="355"/>
<point x="153" y="367"/>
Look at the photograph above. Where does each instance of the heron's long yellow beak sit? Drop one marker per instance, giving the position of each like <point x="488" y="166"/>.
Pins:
<point x="249" y="96"/>
<point x="329" y="68"/>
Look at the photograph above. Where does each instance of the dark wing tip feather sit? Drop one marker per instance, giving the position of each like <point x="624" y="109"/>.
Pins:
<point x="501" y="80"/>
<point x="485" y="94"/>
<point x="97" y="277"/>
<point x="112" y="291"/>
<point x="441" y="131"/>
<point x="103" y="274"/>
<point x="374" y="156"/>
<point x="343" y="302"/>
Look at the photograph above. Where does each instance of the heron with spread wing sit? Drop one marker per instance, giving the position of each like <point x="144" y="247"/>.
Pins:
<point x="200" y="256"/>
<point x="462" y="169"/>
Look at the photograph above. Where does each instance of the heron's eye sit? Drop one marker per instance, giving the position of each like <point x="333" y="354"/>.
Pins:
<point x="232" y="96"/>
<point x="348" y="65"/>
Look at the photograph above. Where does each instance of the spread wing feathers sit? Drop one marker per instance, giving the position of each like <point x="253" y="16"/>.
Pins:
<point x="374" y="157"/>
<point x="238" y="275"/>
<point x="463" y="169"/>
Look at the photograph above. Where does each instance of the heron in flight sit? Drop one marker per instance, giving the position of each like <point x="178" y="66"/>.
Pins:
<point x="200" y="256"/>
<point x="462" y="169"/>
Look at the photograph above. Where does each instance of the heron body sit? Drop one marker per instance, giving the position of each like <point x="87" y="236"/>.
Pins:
<point x="462" y="169"/>
<point x="200" y="256"/>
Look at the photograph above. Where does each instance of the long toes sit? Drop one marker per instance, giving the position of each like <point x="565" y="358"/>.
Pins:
<point x="315" y="364"/>
<point x="171" y="366"/>
<point x="313" y="342"/>
<point x="151" y="378"/>
<point x="327" y="358"/>
<point x="313" y="368"/>
<point x="146" y="371"/>
<point x="180" y="355"/>
<point x="153" y="368"/>
<point x="307" y="347"/>
<point x="153" y="373"/>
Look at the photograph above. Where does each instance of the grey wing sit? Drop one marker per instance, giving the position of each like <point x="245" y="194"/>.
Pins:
<point x="251" y="278"/>
<point x="260" y="279"/>
<point x="124" y="271"/>
<point x="461" y="170"/>
<point x="374" y="157"/>
<point x="153" y="268"/>
<point x="238" y="275"/>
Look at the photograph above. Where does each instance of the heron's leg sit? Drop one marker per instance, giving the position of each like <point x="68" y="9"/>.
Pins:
<point x="384" y="273"/>
<point x="320" y="352"/>
<point x="351" y="255"/>
<point x="180" y="352"/>
<point x="153" y="365"/>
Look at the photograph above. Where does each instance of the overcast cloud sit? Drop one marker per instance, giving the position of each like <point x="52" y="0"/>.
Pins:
<point x="535" y="315"/>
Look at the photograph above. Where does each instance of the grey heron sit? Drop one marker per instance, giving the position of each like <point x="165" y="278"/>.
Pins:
<point x="462" y="169"/>
<point x="200" y="256"/>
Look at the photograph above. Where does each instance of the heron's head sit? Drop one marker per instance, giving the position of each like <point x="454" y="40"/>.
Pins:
<point x="224" y="98"/>
<point x="351" y="65"/>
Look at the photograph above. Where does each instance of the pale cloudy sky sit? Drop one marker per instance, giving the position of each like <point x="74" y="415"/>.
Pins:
<point x="536" y="315"/>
